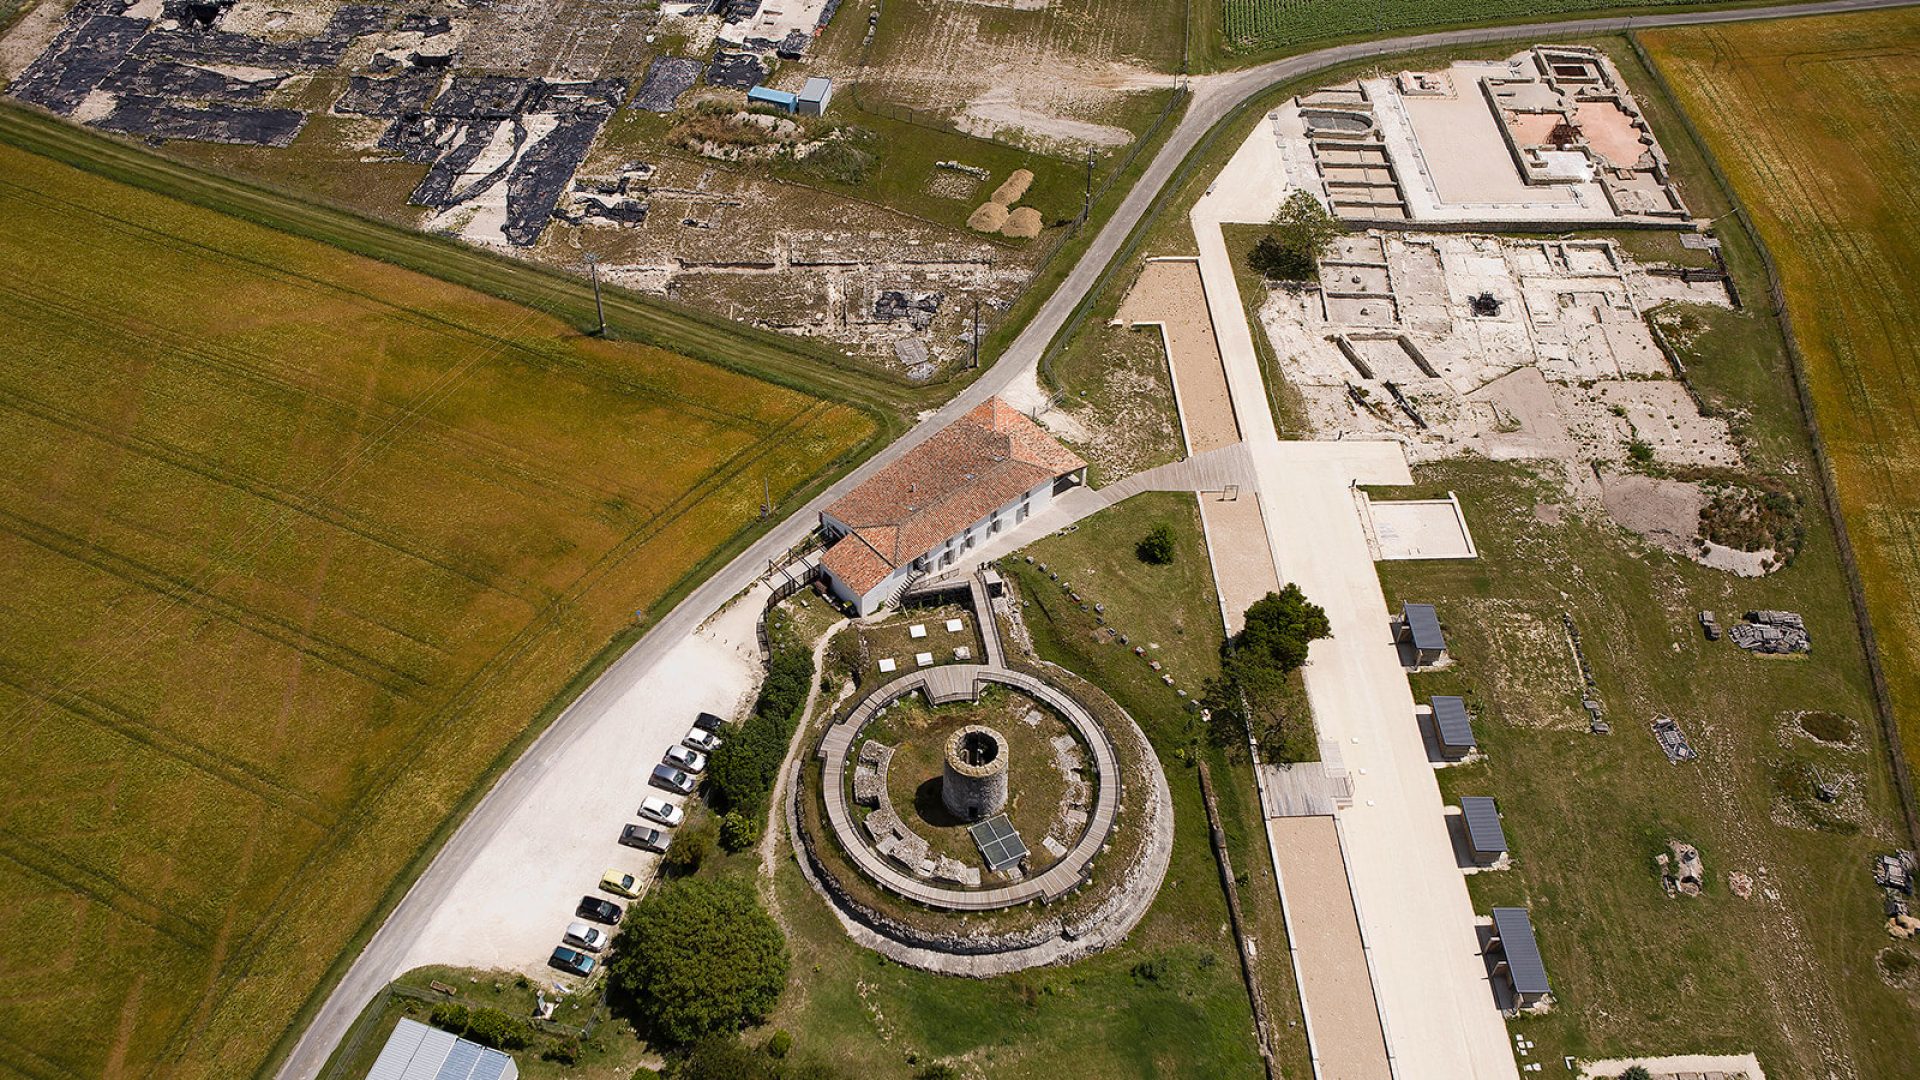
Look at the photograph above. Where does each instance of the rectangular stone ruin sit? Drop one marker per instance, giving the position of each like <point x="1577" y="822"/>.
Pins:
<point x="1773" y="632"/>
<point x="1673" y="742"/>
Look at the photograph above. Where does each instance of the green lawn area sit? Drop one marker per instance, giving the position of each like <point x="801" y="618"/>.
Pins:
<point x="301" y="548"/>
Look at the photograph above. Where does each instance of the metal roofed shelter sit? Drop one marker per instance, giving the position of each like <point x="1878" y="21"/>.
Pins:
<point x="779" y="99"/>
<point x="1420" y="627"/>
<point x="1519" y="955"/>
<point x="815" y="95"/>
<point x="1453" y="727"/>
<point x="417" y="1052"/>
<point x="1485" y="838"/>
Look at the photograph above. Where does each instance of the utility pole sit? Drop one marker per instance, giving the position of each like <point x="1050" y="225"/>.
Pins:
<point x="600" y="313"/>
<point x="1086" y="208"/>
<point x="976" y="332"/>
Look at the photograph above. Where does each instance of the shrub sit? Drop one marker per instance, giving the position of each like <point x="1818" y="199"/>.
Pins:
<point x="781" y="1044"/>
<point x="739" y="831"/>
<point x="564" y="1052"/>
<point x="450" y="1016"/>
<point x="699" y="958"/>
<point x="1640" y="452"/>
<point x="937" y="1071"/>
<point x="688" y="852"/>
<point x="743" y="768"/>
<point x="1636" y="1072"/>
<point x="1157" y="546"/>
<point x="1302" y="229"/>
<point x="491" y="1027"/>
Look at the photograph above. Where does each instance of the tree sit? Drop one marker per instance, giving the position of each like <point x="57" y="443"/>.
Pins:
<point x="1301" y="231"/>
<point x="699" y="958"/>
<point x="1157" y="546"/>
<point x="738" y="831"/>
<point x="1636" y="1072"/>
<point x="1279" y="627"/>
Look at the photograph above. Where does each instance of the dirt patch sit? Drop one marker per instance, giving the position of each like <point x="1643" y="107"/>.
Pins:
<point x="1664" y="512"/>
<point x="1830" y="728"/>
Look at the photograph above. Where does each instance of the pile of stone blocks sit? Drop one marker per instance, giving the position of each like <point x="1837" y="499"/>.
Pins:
<point x="1775" y="632"/>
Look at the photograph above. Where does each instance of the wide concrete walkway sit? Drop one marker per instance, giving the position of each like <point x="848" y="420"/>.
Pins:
<point x="1435" y="1003"/>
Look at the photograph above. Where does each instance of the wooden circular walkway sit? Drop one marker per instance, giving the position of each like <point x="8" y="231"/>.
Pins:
<point x="962" y="682"/>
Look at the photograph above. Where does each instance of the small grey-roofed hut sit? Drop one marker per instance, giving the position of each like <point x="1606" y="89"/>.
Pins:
<point x="815" y="95"/>
<point x="1420" y="627"/>
<point x="1485" y="837"/>
<point x="1453" y="726"/>
<point x="1519" y="953"/>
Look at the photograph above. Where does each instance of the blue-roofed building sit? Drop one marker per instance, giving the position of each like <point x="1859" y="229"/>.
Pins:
<point x="1420" y="627"/>
<point x="1486" y="840"/>
<point x="1518" y="956"/>
<point x="417" y="1052"/>
<point x="779" y="99"/>
<point x="815" y="95"/>
<point x="1453" y="727"/>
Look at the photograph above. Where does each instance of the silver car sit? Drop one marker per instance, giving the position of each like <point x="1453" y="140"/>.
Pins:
<point x="704" y="741"/>
<point x="582" y="935"/>
<point x="692" y="761"/>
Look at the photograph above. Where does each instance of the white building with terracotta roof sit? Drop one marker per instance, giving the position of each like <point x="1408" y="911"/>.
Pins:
<point x="980" y="475"/>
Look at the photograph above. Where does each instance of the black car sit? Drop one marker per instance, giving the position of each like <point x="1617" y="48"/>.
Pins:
<point x="601" y="911"/>
<point x="706" y="721"/>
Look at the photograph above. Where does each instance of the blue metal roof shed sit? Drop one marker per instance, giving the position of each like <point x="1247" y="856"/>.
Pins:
<point x="1515" y="931"/>
<point x="1452" y="724"/>
<point x="779" y="99"/>
<point x="1484" y="833"/>
<point x="1423" y="627"/>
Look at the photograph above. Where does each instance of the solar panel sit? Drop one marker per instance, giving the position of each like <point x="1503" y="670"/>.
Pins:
<point x="1000" y="845"/>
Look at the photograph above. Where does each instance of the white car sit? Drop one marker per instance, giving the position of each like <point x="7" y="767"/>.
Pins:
<point x="582" y="935"/>
<point x="692" y="761"/>
<point x="704" y="741"/>
<point x="655" y="808"/>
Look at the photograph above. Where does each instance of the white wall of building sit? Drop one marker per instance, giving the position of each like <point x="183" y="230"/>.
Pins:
<point x="950" y="552"/>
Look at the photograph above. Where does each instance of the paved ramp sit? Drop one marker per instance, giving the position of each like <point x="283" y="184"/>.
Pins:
<point x="1336" y="989"/>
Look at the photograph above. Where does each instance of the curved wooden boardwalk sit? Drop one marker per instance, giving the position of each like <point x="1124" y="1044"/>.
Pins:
<point x="962" y="682"/>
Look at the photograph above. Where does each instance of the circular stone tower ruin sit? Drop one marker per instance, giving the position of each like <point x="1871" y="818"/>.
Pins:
<point x="974" y="786"/>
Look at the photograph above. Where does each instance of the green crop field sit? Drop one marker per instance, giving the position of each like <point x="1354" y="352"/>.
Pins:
<point x="1814" y="121"/>
<point x="1254" y="26"/>
<point x="298" y="547"/>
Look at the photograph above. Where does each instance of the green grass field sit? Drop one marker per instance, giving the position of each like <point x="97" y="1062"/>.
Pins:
<point x="299" y="547"/>
<point x="1813" y="121"/>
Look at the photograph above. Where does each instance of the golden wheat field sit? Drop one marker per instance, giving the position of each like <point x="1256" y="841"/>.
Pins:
<point x="294" y="547"/>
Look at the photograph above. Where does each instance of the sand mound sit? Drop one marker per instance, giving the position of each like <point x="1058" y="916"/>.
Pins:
<point x="1013" y="187"/>
<point x="1023" y="223"/>
<point x="988" y="218"/>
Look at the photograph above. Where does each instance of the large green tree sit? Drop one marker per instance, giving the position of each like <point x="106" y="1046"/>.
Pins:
<point x="1291" y="250"/>
<point x="1279" y="627"/>
<point x="699" y="957"/>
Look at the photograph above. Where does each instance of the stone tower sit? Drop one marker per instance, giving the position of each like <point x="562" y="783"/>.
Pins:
<point x="974" y="786"/>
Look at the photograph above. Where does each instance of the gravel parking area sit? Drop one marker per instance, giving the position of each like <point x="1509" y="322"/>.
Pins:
<point x="519" y="892"/>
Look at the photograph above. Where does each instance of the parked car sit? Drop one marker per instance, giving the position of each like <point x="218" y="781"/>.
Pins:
<point x="599" y="910"/>
<point x="644" y="837"/>
<point x="704" y="741"/>
<point x="706" y="721"/>
<point x="692" y="761"/>
<point x="666" y="776"/>
<point x="590" y="938"/>
<point x="655" y="808"/>
<point x="572" y="961"/>
<point x="620" y="883"/>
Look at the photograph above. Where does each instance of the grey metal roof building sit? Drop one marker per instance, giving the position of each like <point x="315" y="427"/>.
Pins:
<point x="1452" y="724"/>
<point x="1422" y="625"/>
<point x="417" y="1052"/>
<point x="1514" y="930"/>
<point x="1484" y="834"/>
